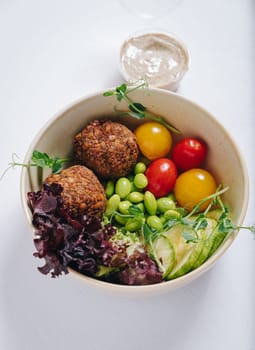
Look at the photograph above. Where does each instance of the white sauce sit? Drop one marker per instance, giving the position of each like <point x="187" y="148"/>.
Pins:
<point x="156" y="57"/>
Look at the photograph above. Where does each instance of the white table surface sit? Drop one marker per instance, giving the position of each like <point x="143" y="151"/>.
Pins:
<point x="55" y="51"/>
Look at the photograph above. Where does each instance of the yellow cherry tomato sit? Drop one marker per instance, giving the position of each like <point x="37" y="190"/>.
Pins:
<point x="192" y="186"/>
<point x="154" y="140"/>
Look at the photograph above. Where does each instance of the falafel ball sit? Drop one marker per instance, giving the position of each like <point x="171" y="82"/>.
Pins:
<point x="109" y="148"/>
<point x="82" y="191"/>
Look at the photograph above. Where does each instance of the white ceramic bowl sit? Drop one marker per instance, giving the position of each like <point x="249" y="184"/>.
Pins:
<point x="224" y="161"/>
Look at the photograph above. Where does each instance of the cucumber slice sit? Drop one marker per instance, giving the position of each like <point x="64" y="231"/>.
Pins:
<point x="189" y="256"/>
<point x="219" y="238"/>
<point x="178" y="242"/>
<point x="164" y="254"/>
<point x="185" y="253"/>
<point x="211" y="234"/>
<point x="188" y="261"/>
<point x="196" y="253"/>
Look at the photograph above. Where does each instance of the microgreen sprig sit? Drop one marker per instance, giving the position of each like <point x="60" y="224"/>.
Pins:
<point x="136" y="109"/>
<point x="149" y="235"/>
<point x="224" y="223"/>
<point x="213" y="198"/>
<point x="40" y="160"/>
<point x="43" y="160"/>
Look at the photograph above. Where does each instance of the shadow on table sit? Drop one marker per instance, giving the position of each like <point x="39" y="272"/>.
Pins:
<point x="44" y="313"/>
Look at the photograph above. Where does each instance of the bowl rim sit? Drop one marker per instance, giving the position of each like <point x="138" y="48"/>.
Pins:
<point x="165" y="286"/>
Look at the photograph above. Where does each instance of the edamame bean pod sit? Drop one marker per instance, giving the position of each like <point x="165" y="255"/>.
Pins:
<point x="133" y="224"/>
<point x="162" y="219"/>
<point x="123" y="207"/>
<point x="109" y="188"/>
<point x="112" y="204"/>
<point x="165" y="203"/>
<point x="120" y="219"/>
<point x="171" y="214"/>
<point x="150" y="203"/>
<point x="140" y="181"/>
<point x="154" y="222"/>
<point x="135" y="197"/>
<point x="123" y="187"/>
<point x="140" y="167"/>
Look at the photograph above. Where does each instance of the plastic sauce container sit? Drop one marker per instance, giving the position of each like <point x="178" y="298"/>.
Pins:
<point x="157" y="57"/>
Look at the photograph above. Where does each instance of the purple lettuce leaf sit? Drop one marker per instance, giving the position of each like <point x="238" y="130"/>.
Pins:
<point x="83" y="243"/>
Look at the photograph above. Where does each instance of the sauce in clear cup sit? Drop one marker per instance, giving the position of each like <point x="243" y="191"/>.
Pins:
<point x="157" y="57"/>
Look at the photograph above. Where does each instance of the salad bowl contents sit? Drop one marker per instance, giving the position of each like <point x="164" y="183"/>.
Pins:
<point x="146" y="195"/>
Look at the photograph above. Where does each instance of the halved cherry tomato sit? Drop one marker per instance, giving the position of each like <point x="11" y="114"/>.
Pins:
<point x="189" y="153"/>
<point x="161" y="175"/>
<point x="154" y="140"/>
<point x="192" y="186"/>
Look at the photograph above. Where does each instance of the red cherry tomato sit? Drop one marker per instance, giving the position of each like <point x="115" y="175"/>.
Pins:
<point x="189" y="153"/>
<point x="161" y="175"/>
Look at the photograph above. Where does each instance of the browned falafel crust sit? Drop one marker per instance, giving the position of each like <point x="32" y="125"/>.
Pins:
<point x="82" y="191"/>
<point x="109" y="148"/>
